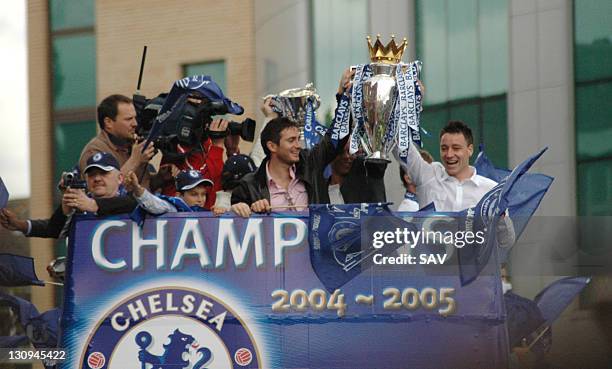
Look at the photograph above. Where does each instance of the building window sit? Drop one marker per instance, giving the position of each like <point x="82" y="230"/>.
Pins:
<point x="463" y="45"/>
<point x="74" y="79"/>
<point x="216" y="70"/>
<point x="74" y="71"/>
<point x="593" y="93"/>
<point x="71" y="14"/>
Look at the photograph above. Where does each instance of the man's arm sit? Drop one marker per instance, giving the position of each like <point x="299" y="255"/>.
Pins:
<point x="138" y="161"/>
<point x="242" y="194"/>
<point x="154" y="204"/>
<point x="505" y="231"/>
<point x="48" y="228"/>
<point x="257" y="152"/>
<point x="417" y="168"/>
<point x="115" y="205"/>
<point x="324" y="152"/>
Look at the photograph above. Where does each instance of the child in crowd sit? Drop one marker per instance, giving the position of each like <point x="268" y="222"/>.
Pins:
<point x="191" y="187"/>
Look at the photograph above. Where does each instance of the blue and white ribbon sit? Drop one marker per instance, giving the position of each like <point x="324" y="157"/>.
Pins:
<point x="310" y="136"/>
<point x="408" y="116"/>
<point x="341" y="125"/>
<point x="362" y="73"/>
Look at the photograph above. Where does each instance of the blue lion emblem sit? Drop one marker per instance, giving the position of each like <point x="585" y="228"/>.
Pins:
<point x="172" y="358"/>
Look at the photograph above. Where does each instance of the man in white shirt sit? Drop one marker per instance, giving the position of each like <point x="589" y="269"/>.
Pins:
<point x="453" y="184"/>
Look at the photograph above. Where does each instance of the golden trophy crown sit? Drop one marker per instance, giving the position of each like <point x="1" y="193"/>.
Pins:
<point x="389" y="54"/>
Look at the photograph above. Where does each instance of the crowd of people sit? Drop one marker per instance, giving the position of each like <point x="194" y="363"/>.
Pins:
<point x="121" y="177"/>
<point x="278" y="175"/>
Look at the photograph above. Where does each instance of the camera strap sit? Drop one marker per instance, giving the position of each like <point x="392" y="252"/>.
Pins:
<point x="188" y="153"/>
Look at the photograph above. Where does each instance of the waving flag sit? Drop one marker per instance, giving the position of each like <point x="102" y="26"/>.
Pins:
<point x="556" y="297"/>
<point x="18" y="270"/>
<point x="524" y="198"/>
<point x="41" y="329"/>
<point x="338" y="252"/>
<point x="487" y="214"/>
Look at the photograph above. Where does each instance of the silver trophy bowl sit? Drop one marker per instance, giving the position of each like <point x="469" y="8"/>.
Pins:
<point x="292" y="103"/>
<point x="379" y="93"/>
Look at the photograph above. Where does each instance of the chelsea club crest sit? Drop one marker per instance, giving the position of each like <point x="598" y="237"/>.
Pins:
<point x="171" y="328"/>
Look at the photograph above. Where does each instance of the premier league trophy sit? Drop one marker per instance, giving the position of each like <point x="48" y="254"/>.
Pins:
<point x="384" y="101"/>
<point x="298" y="104"/>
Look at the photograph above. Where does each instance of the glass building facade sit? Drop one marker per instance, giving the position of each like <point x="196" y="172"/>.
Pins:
<point x="593" y="94"/>
<point x="463" y="45"/>
<point x="73" y="61"/>
<point x="339" y="30"/>
<point x="74" y="79"/>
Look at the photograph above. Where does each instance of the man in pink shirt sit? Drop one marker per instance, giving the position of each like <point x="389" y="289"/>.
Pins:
<point x="286" y="178"/>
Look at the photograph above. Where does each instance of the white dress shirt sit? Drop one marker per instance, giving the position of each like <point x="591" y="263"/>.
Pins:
<point x="449" y="194"/>
<point x="446" y="192"/>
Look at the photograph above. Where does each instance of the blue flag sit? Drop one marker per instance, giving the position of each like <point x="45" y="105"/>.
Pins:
<point x="41" y="329"/>
<point x="12" y="342"/>
<point x="16" y="270"/>
<point x="337" y="253"/>
<point x="487" y="214"/>
<point x="4" y="195"/>
<point x="556" y="297"/>
<point x="525" y="197"/>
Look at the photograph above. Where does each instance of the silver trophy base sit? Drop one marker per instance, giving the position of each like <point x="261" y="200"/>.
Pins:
<point x="378" y="157"/>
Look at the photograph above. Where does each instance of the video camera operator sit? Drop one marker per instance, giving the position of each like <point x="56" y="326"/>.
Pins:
<point x="186" y="126"/>
<point x="117" y="136"/>
<point x="103" y="181"/>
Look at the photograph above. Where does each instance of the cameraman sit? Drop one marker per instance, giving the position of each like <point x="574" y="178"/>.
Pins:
<point x="206" y="158"/>
<point x="103" y="182"/>
<point x="203" y="151"/>
<point x="117" y="136"/>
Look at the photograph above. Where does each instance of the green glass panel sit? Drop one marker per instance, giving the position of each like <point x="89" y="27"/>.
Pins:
<point x="463" y="73"/>
<point x="593" y="128"/>
<point x="495" y="127"/>
<point x="339" y="30"/>
<point x="432" y="120"/>
<point x="493" y="34"/>
<point x="66" y="14"/>
<point x="432" y="49"/>
<point x="595" y="189"/>
<point x="70" y="138"/>
<point x="593" y="39"/>
<point x="216" y="70"/>
<point x="74" y="71"/>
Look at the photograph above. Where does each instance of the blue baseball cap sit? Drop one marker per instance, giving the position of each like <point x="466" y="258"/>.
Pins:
<point x="188" y="179"/>
<point x="102" y="160"/>
<point x="236" y="167"/>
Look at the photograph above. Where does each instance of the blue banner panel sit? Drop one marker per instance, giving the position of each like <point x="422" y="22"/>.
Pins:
<point x="192" y="291"/>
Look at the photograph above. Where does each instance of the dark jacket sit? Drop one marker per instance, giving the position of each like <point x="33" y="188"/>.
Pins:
<point x="363" y="183"/>
<point x="52" y="227"/>
<point x="254" y="186"/>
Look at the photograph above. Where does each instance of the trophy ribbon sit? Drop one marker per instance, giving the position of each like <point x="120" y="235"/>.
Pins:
<point x="406" y="101"/>
<point x="341" y="124"/>
<point x="362" y="73"/>
<point x="310" y="136"/>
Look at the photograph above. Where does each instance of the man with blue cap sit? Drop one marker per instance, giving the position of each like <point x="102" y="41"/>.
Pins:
<point x="104" y="179"/>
